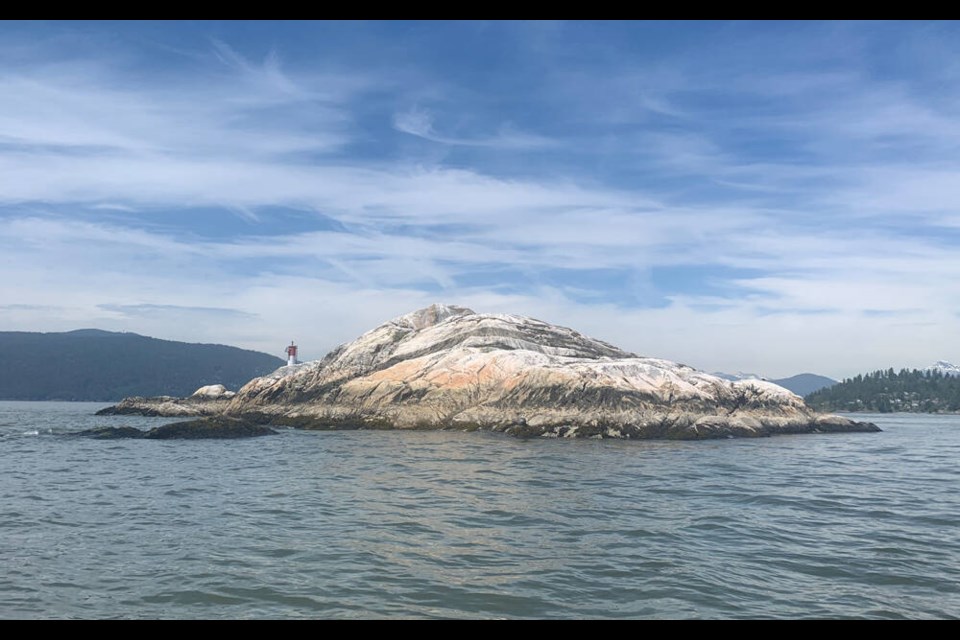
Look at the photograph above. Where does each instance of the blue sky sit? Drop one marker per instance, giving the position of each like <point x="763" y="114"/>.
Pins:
<point x="769" y="197"/>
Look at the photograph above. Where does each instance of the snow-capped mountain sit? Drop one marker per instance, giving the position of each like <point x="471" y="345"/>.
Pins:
<point x="944" y="367"/>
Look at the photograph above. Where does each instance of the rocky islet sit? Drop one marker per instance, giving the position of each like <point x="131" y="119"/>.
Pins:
<point x="448" y="367"/>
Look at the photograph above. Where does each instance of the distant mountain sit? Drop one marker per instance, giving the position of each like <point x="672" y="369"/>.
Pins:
<point x="945" y="368"/>
<point x="803" y="384"/>
<point x="90" y="364"/>
<point x="917" y="391"/>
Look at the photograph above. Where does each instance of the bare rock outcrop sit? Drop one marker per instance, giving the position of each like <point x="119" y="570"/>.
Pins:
<point x="210" y="400"/>
<point x="447" y="367"/>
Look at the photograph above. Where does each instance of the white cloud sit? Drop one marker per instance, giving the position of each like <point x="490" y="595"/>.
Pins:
<point x="816" y="203"/>
<point x="49" y="264"/>
<point x="92" y="109"/>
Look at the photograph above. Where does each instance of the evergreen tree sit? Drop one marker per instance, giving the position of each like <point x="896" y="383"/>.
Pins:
<point x="885" y="391"/>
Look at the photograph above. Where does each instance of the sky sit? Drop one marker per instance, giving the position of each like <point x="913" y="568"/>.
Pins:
<point x="770" y="197"/>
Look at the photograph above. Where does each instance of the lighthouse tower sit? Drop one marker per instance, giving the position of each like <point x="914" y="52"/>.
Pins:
<point x="292" y="354"/>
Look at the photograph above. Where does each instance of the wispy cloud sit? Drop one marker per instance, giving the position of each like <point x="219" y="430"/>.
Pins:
<point x="173" y="311"/>
<point x="419" y="122"/>
<point x="253" y="111"/>
<point x="727" y="204"/>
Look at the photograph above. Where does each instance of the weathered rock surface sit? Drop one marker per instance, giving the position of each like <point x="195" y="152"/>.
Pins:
<point x="210" y="400"/>
<point x="213" y="392"/>
<point x="219" y="428"/>
<point x="447" y="367"/>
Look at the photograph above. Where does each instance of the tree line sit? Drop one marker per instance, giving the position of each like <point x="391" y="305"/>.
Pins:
<point x="885" y="391"/>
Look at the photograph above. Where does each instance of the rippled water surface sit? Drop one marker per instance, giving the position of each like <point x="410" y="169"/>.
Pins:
<point x="437" y="524"/>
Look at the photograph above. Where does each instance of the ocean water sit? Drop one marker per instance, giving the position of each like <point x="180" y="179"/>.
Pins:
<point x="475" y="525"/>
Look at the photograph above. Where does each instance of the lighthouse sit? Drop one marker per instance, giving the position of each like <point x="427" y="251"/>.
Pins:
<point x="292" y="354"/>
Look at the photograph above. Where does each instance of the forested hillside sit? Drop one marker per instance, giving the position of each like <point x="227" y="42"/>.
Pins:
<point x="914" y="390"/>
<point x="100" y="365"/>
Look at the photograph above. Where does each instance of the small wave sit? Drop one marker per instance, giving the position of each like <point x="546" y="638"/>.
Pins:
<point x="35" y="432"/>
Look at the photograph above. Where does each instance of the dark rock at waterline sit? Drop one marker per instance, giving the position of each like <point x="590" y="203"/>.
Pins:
<point x="218" y="428"/>
<point x="837" y="424"/>
<point x="677" y="427"/>
<point x="111" y="433"/>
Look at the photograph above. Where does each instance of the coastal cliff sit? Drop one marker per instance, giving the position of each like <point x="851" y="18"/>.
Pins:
<point x="447" y="367"/>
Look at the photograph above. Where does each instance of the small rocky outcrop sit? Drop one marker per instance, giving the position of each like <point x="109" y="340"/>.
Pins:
<point x="216" y="428"/>
<point x="111" y="433"/>
<point x="210" y="400"/>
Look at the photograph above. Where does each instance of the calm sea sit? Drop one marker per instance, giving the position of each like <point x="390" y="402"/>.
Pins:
<point x="473" y="525"/>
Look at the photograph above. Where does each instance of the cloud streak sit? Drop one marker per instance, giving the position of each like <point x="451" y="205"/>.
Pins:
<point x="419" y="122"/>
<point x="778" y="217"/>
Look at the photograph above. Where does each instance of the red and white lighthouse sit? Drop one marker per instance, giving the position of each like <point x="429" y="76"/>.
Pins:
<point x="292" y="354"/>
